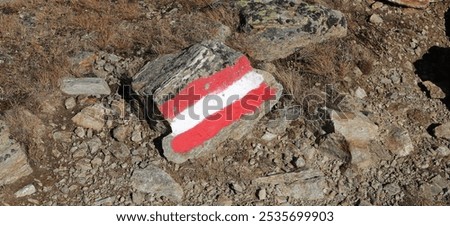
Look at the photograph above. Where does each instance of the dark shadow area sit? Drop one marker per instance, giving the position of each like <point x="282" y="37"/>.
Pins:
<point x="145" y="109"/>
<point x="447" y="23"/>
<point x="435" y="67"/>
<point x="431" y="128"/>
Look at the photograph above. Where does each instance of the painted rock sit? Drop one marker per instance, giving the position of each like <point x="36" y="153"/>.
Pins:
<point x="208" y="93"/>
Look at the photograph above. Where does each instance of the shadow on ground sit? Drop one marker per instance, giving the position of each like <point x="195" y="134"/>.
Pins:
<point x="447" y="23"/>
<point x="435" y="67"/>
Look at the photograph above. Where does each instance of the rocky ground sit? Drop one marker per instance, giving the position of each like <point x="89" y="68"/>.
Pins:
<point x="364" y="119"/>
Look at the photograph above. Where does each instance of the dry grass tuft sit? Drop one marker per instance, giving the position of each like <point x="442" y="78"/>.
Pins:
<point x="314" y="66"/>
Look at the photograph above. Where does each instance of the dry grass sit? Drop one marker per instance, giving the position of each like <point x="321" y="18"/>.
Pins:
<point x="37" y="38"/>
<point x="314" y="66"/>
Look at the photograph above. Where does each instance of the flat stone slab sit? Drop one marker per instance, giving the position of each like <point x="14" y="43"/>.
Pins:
<point x="85" y="86"/>
<point x="13" y="160"/>
<point x="419" y="4"/>
<point x="25" y="191"/>
<point x="275" y="29"/>
<point x="208" y="93"/>
<point x="304" y="185"/>
<point x="358" y="131"/>
<point x="443" y="131"/>
<point x="153" y="180"/>
<point x="91" y="117"/>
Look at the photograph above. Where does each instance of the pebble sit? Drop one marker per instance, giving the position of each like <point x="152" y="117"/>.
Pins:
<point x="268" y="136"/>
<point x="136" y="136"/>
<point x="25" y="191"/>
<point x="360" y="93"/>
<point x="70" y="103"/>
<point x="262" y="194"/>
<point x="375" y="19"/>
<point x="377" y="5"/>
<point x="443" y="151"/>
<point x="300" y="162"/>
<point x="80" y="132"/>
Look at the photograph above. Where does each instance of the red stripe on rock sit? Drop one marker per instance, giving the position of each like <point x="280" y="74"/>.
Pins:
<point x="213" y="124"/>
<point x="201" y="87"/>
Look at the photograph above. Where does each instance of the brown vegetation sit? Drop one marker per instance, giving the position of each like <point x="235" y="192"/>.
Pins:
<point x="37" y="38"/>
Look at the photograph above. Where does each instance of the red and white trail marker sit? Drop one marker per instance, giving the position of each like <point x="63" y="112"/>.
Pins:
<point x="213" y="106"/>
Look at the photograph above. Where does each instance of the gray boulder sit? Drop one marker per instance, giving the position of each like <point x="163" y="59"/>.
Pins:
<point x="153" y="180"/>
<point x="13" y="160"/>
<point x="276" y="29"/>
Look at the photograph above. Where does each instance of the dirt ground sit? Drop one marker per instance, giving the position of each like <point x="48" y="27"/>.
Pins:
<point x="40" y="43"/>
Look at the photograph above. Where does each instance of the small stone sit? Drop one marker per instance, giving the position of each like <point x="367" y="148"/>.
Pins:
<point x="392" y="189"/>
<point x="375" y="19"/>
<point x="399" y="142"/>
<point x="94" y="144"/>
<point x="70" y="103"/>
<point x="443" y="151"/>
<point x="224" y="201"/>
<point x="96" y="162"/>
<point x="120" y="150"/>
<point x="80" y="132"/>
<point x="395" y="78"/>
<point x="114" y="59"/>
<point x="25" y="191"/>
<point x="138" y="198"/>
<point x="109" y="201"/>
<point x="377" y="5"/>
<point x="56" y="153"/>
<point x="303" y="185"/>
<point x="80" y="153"/>
<point x="153" y="180"/>
<point x="360" y="93"/>
<point x="85" y="86"/>
<point x="358" y="72"/>
<point x="91" y="117"/>
<point x="262" y="193"/>
<point x="443" y="131"/>
<point x="62" y="136"/>
<point x="121" y="133"/>
<point x="433" y="90"/>
<point x="109" y="68"/>
<point x="136" y="136"/>
<point x="300" y="162"/>
<point x="237" y="188"/>
<point x="268" y="137"/>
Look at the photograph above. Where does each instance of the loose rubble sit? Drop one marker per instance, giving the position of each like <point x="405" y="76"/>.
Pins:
<point x="363" y="119"/>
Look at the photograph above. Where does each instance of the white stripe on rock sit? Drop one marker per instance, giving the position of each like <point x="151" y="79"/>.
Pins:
<point x="195" y="114"/>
